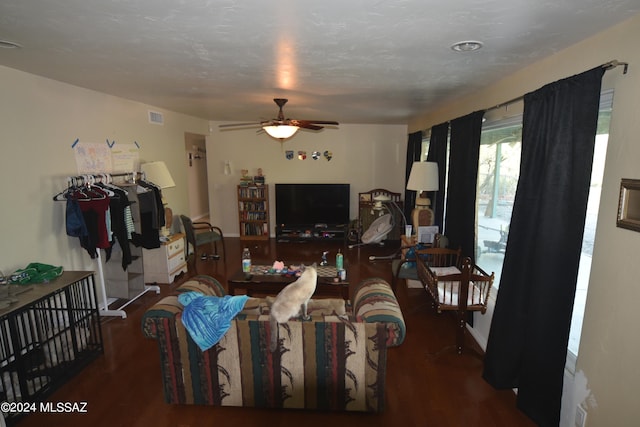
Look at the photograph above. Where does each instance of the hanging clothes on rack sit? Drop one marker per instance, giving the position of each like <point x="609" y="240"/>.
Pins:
<point x="86" y="211"/>
<point x="94" y="210"/>
<point x="151" y="216"/>
<point x="102" y="215"/>
<point x="99" y="214"/>
<point x="74" y="220"/>
<point x="119" y="204"/>
<point x="96" y="213"/>
<point x="159" y="218"/>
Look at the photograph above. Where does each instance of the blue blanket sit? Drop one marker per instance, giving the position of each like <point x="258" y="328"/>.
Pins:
<point x="208" y="318"/>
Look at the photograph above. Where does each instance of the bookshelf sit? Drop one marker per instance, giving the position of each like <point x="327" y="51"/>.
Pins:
<point x="253" y="212"/>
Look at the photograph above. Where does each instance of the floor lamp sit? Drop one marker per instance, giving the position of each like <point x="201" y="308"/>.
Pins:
<point x="423" y="178"/>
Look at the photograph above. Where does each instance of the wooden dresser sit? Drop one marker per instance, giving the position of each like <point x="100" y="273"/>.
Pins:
<point x="163" y="264"/>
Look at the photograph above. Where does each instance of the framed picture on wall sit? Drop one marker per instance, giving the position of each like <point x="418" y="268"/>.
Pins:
<point x="629" y="204"/>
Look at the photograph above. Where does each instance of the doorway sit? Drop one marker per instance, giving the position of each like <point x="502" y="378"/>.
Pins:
<point x="197" y="179"/>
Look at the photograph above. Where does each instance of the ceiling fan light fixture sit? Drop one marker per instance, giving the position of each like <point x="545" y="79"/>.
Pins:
<point x="467" y="46"/>
<point x="281" y="132"/>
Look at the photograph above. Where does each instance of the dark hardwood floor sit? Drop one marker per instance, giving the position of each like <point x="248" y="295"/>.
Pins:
<point x="123" y="387"/>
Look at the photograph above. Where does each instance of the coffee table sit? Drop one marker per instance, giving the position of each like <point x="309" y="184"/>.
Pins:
<point x="262" y="282"/>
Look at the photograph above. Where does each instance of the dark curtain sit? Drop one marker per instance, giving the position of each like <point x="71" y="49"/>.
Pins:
<point x="464" y="151"/>
<point x="438" y="154"/>
<point x="529" y="334"/>
<point x="414" y="149"/>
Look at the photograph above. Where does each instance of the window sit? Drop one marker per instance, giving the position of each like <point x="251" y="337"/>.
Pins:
<point x="593" y="204"/>
<point x="425" y="148"/>
<point x="498" y="172"/>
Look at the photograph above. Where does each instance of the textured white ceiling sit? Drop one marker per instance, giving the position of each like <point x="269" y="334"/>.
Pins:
<point x="354" y="61"/>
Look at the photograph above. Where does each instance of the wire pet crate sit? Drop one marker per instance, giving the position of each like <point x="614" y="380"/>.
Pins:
<point x="47" y="337"/>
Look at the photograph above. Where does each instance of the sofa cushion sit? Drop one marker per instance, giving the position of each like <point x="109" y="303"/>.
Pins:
<point x="167" y="307"/>
<point x="315" y="307"/>
<point x="204" y="284"/>
<point x="253" y="306"/>
<point x="375" y="301"/>
<point x="321" y="365"/>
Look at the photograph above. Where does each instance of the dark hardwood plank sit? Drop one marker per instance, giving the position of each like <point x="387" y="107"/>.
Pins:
<point x="123" y="387"/>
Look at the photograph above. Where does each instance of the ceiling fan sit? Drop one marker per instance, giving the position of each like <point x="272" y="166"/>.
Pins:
<point x="281" y="128"/>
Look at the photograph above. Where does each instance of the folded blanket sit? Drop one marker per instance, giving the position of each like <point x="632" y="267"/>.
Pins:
<point x="208" y="318"/>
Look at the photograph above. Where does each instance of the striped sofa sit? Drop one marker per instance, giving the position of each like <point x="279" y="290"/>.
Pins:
<point x="335" y="361"/>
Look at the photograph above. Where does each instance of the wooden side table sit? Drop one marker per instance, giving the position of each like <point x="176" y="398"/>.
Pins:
<point x="163" y="264"/>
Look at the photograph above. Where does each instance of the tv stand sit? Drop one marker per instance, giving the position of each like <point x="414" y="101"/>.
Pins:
<point x="315" y="232"/>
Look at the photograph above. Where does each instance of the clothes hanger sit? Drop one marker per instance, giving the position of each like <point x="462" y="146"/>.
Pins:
<point x="91" y="193"/>
<point x="100" y="183"/>
<point x="64" y="194"/>
<point x="61" y="196"/>
<point x="108" y="183"/>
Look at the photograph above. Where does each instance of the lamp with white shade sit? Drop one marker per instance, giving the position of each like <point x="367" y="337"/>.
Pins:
<point x="423" y="178"/>
<point x="158" y="174"/>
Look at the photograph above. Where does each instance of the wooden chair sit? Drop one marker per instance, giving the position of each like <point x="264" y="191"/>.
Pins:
<point x="462" y="291"/>
<point x="202" y="233"/>
<point x="435" y="256"/>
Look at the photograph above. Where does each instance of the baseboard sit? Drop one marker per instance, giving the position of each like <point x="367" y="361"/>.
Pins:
<point x="479" y="338"/>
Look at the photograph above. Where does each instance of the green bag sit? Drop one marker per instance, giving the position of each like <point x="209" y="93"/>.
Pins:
<point x="36" y="273"/>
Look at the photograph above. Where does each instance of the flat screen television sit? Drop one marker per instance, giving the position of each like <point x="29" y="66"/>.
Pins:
<point x="312" y="204"/>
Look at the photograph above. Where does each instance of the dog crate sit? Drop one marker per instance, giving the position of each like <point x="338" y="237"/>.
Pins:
<point x="49" y="333"/>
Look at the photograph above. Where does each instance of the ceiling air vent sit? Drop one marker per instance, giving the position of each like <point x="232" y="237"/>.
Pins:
<point x="156" y="118"/>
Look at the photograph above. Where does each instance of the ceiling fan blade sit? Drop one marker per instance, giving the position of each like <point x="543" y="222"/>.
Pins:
<point x="273" y="122"/>
<point x="317" y="122"/>
<point x="281" y="121"/>
<point x="239" y="124"/>
<point x="311" y="124"/>
<point x="305" y="125"/>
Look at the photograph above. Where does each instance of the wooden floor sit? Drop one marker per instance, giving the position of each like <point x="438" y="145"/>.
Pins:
<point x="123" y="387"/>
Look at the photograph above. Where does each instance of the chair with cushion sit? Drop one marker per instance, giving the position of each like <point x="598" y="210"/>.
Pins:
<point x="437" y="255"/>
<point x="202" y="233"/>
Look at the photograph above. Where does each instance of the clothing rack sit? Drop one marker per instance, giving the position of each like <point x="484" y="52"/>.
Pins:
<point x="107" y="178"/>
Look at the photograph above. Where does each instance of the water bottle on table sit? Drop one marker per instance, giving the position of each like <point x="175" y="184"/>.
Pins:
<point x="246" y="261"/>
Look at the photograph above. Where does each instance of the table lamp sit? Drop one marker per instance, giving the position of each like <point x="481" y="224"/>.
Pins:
<point x="423" y="178"/>
<point x="158" y="173"/>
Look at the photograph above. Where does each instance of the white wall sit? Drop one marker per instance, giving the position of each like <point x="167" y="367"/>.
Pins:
<point x="39" y="121"/>
<point x="365" y="156"/>
<point x="607" y="377"/>
<point x="41" y="118"/>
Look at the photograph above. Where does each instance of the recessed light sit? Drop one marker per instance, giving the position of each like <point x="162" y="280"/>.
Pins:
<point x="467" y="46"/>
<point x="5" y="44"/>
